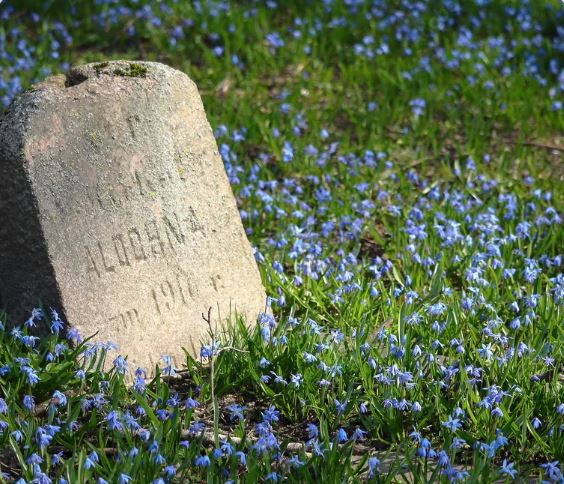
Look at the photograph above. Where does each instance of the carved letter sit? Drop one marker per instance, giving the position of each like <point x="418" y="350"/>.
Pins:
<point x="133" y="316"/>
<point x="136" y="244"/>
<point x="168" y="293"/>
<point x="156" y="301"/>
<point x="184" y="279"/>
<point x="139" y="183"/>
<point x="121" y="251"/>
<point x="91" y="264"/>
<point x="157" y="245"/>
<point x="106" y="266"/>
<point x="175" y="230"/>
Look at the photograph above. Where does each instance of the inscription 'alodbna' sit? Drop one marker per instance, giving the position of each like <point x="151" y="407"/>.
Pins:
<point x="157" y="238"/>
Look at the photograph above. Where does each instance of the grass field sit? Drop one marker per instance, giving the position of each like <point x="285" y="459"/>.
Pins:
<point x="398" y="168"/>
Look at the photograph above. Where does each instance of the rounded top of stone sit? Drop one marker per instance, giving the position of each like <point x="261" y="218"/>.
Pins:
<point x="119" y="69"/>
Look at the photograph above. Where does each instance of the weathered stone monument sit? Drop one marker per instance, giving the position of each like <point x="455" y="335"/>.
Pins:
<point x="115" y="209"/>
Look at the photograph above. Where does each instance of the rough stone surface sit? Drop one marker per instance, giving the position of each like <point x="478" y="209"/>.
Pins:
<point x="115" y="208"/>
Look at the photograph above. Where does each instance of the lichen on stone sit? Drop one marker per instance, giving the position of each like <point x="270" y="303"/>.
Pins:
<point x="100" y="66"/>
<point x="132" y="70"/>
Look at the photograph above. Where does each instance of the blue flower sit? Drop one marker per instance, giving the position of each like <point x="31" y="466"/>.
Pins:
<point x="417" y="106"/>
<point x="28" y="402"/>
<point x="113" y="421"/>
<point x="202" y="461"/>
<point x="551" y="470"/>
<point x="242" y="457"/>
<point x="358" y="434"/>
<point x="58" y="399"/>
<point x="123" y="479"/>
<point x="452" y="424"/>
<point x="373" y="466"/>
<point x="287" y="152"/>
<point x="169" y="471"/>
<point x="32" y="376"/>
<point x="42" y="437"/>
<point x="236" y="412"/>
<point x="120" y="364"/>
<point x="91" y="460"/>
<point x="341" y="436"/>
<point x="274" y="40"/>
<point x="497" y="412"/>
<point x="270" y="415"/>
<point x="340" y="407"/>
<point x="507" y="469"/>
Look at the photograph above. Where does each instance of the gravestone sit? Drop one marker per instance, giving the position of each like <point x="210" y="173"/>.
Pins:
<point x="116" y="210"/>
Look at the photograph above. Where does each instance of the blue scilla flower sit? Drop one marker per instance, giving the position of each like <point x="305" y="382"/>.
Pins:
<point x="340" y="407"/>
<point x="28" y="402"/>
<point x="90" y="461"/>
<point x="36" y="315"/>
<point x="241" y="457"/>
<point x="58" y="399"/>
<point x="56" y="326"/>
<point x="496" y="412"/>
<point x="358" y="434"/>
<point x="29" y="341"/>
<point x="341" y="436"/>
<point x="120" y="364"/>
<point x="159" y="460"/>
<point x="287" y="152"/>
<point x="202" y="461"/>
<point x="373" y="466"/>
<point x="113" y="421"/>
<point x="74" y="335"/>
<point x="226" y="448"/>
<point x="552" y="471"/>
<point x="123" y="479"/>
<point x="57" y="458"/>
<point x="277" y="267"/>
<point x="507" y="469"/>
<point x="31" y="374"/>
<point x="207" y="351"/>
<point x="169" y="471"/>
<point x="417" y="106"/>
<point x="60" y="348"/>
<point x="274" y="40"/>
<point x="436" y="309"/>
<point x="452" y="424"/>
<point x="42" y="437"/>
<point x="312" y="431"/>
<point x="270" y="415"/>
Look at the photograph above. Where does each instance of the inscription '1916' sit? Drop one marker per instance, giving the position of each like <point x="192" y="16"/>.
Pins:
<point x="173" y="293"/>
<point x="157" y="238"/>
